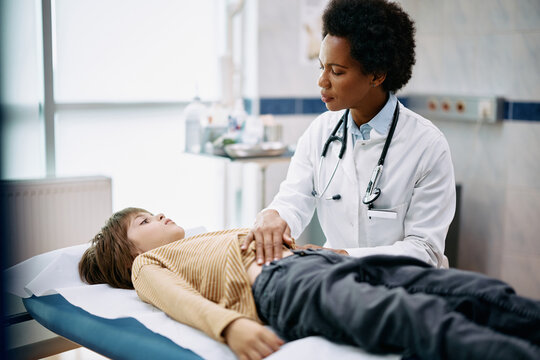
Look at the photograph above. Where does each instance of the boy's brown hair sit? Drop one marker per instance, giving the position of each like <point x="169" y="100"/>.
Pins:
<point x="109" y="258"/>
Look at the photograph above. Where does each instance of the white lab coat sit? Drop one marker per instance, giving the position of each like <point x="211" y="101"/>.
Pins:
<point x="417" y="184"/>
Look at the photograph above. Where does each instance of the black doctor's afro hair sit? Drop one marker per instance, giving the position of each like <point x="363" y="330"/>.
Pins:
<point x="381" y="36"/>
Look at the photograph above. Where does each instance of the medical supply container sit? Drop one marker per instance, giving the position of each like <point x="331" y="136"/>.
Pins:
<point x="194" y="118"/>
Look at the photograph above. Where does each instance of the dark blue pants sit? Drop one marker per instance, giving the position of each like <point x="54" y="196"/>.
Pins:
<point x="389" y="304"/>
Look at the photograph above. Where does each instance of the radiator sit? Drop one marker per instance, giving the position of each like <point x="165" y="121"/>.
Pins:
<point x="46" y="214"/>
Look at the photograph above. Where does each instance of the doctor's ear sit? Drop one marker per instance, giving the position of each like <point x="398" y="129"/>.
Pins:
<point x="377" y="79"/>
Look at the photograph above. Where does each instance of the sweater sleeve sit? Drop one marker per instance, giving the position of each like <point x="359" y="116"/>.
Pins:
<point x="165" y="290"/>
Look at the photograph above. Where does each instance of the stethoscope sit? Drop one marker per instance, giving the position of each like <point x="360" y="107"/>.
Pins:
<point x="372" y="191"/>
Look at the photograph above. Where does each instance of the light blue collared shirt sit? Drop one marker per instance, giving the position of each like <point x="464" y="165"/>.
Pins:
<point x="380" y="122"/>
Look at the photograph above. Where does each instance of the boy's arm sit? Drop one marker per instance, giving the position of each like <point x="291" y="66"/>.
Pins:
<point x="170" y="293"/>
<point x="167" y="291"/>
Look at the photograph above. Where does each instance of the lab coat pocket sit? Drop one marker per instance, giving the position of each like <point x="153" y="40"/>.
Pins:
<point x="385" y="226"/>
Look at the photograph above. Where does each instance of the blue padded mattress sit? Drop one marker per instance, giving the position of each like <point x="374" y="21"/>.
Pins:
<point x="124" y="338"/>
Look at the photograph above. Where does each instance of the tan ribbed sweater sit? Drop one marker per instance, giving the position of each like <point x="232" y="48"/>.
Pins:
<point x="200" y="281"/>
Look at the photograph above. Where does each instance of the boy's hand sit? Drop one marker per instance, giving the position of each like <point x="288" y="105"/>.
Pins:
<point x="250" y="340"/>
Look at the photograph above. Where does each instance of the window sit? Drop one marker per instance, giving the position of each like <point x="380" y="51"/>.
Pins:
<point x="123" y="70"/>
<point x="136" y="50"/>
<point x="22" y="151"/>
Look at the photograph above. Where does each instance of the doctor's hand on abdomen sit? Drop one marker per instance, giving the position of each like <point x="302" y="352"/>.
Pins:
<point x="269" y="232"/>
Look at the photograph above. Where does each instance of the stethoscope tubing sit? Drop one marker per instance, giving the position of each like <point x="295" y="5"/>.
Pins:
<point x="372" y="191"/>
<point x="314" y="193"/>
<point x="333" y="137"/>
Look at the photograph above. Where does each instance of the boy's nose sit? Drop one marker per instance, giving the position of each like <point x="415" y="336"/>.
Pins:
<point x="160" y="216"/>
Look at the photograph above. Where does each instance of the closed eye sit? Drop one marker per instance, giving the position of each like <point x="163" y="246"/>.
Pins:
<point x="332" y="71"/>
<point x="145" y="221"/>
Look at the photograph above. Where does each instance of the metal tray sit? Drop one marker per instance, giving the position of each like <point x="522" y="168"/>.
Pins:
<point x="258" y="150"/>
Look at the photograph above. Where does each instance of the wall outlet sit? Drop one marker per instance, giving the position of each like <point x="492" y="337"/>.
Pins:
<point x="485" y="109"/>
<point x="456" y="107"/>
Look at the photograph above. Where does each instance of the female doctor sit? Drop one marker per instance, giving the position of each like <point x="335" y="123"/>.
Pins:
<point x="404" y="206"/>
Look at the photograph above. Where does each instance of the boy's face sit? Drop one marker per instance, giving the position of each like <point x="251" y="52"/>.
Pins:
<point x="147" y="231"/>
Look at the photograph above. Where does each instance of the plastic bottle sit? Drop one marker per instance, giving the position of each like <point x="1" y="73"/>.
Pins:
<point x="194" y="116"/>
<point x="238" y="116"/>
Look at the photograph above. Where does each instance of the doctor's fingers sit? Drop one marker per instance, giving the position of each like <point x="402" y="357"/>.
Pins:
<point x="249" y="238"/>
<point x="287" y="238"/>
<point x="277" y="241"/>
<point x="272" y="245"/>
<point x="259" y="247"/>
<point x="268" y="242"/>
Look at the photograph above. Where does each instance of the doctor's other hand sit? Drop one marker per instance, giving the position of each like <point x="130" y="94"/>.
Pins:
<point x="250" y="340"/>
<point x="270" y="231"/>
<point x="317" y="247"/>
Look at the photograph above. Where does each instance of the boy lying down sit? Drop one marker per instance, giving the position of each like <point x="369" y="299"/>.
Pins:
<point x="382" y="304"/>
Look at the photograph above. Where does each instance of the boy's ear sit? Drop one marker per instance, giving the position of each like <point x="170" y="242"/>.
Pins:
<point x="136" y="252"/>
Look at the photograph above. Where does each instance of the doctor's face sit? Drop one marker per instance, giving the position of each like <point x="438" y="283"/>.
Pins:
<point x="147" y="231"/>
<point x="342" y="81"/>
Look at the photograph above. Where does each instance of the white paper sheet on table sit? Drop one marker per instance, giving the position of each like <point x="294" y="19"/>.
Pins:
<point x="56" y="272"/>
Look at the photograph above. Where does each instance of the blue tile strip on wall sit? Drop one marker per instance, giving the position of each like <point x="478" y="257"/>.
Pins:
<point x="289" y="106"/>
<point x="278" y="106"/>
<point x="512" y="110"/>
<point x="528" y="111"/>
<point x="313" y="106"/>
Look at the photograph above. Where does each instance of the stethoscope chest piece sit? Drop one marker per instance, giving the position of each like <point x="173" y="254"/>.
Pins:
<point x="369" y="198"/>
<point x="372" y="191"/>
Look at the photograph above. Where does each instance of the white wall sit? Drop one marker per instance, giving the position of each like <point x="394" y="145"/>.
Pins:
<point x="489" y="47"/>
<point x="477" y="47"/>
<point x="281" y="73"/>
